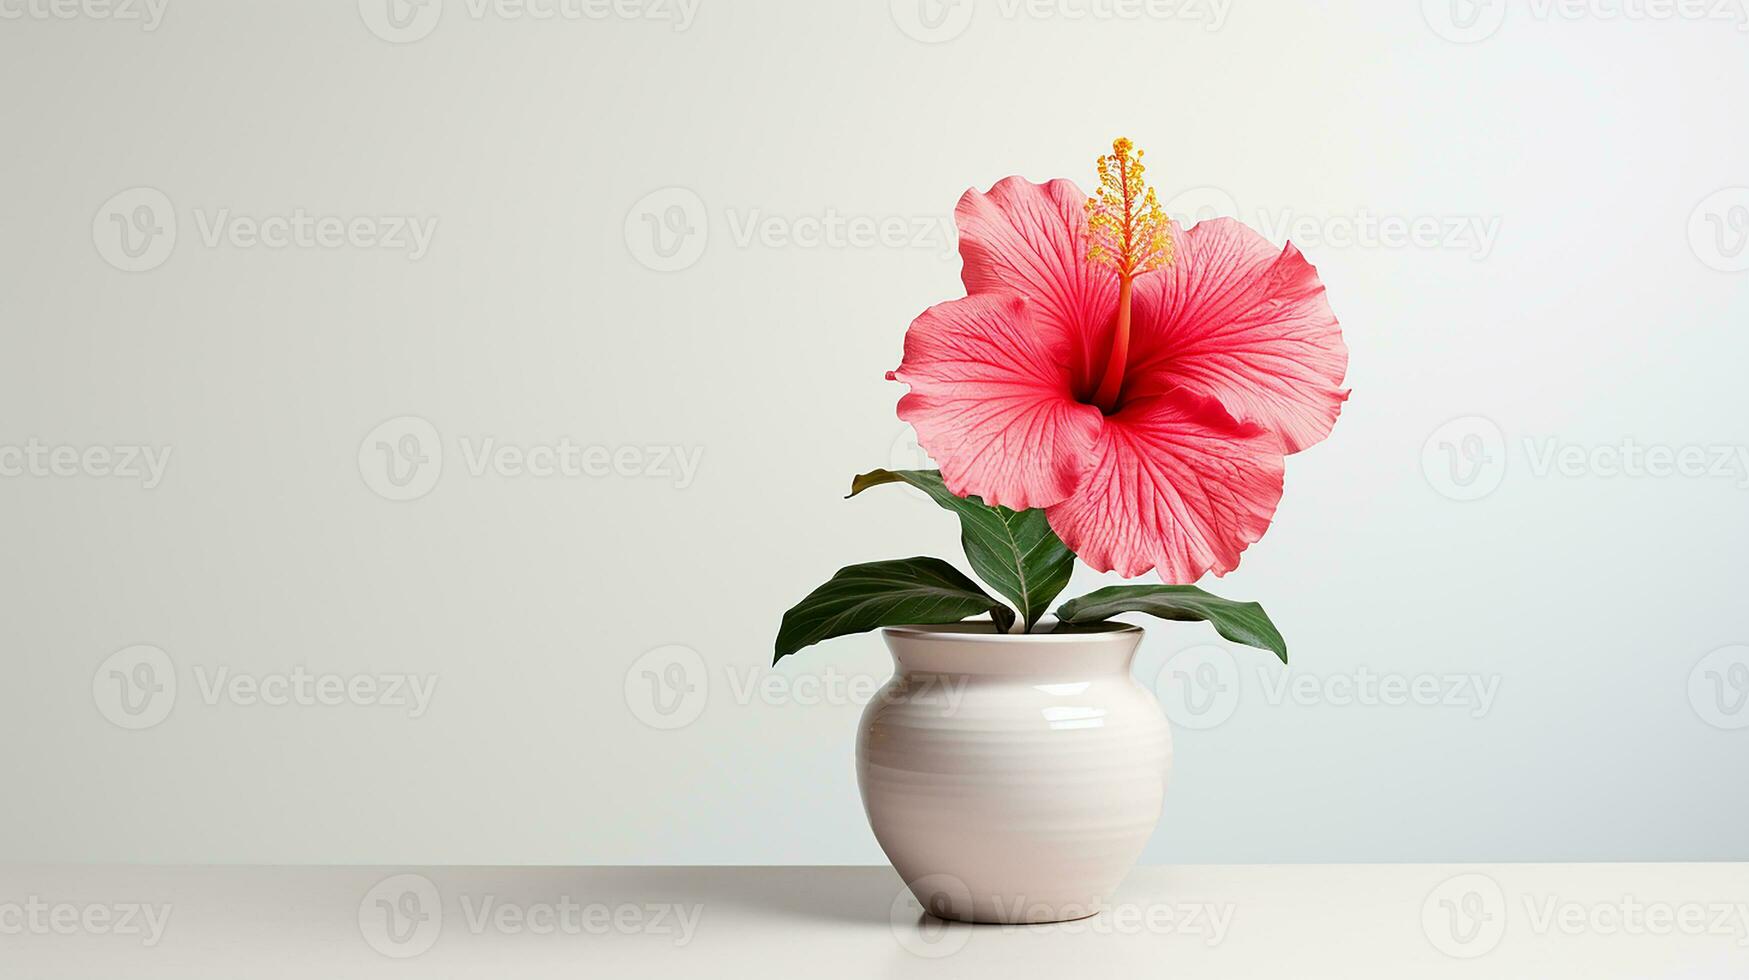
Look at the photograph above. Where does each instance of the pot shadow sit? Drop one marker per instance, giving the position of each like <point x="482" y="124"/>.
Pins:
<point x="862" y="895"/>
<point x="847" y="894"/>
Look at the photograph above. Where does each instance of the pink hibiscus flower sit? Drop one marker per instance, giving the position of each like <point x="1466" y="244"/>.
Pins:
<point x="1139" y="381"/>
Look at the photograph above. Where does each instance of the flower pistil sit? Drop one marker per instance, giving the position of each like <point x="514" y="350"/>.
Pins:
<point x="1128" y="233"/>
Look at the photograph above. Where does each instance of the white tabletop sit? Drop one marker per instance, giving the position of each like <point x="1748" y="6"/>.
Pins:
<point x="844" y="923"/>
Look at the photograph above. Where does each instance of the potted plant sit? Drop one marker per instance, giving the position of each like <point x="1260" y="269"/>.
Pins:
<point x="1113" y="388"/>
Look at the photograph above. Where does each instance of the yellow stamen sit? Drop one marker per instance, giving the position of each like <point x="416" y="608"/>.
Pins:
<point x="1127" y="232"/>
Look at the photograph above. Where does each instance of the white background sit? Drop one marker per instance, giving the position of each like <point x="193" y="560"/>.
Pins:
<point x="568" y="161"/>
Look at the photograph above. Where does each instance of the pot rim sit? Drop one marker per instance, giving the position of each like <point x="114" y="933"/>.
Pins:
<point x="976" y="632"/>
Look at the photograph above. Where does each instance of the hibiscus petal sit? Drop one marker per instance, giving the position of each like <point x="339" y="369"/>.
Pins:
<point x="1243" y="322"/>
<point x="1031" y="240"/>
<point x="991" y="402"/>
<point x="1179" y="487"/>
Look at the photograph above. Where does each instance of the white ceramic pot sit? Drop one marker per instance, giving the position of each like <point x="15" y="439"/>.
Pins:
<point x="1013" y="778"/>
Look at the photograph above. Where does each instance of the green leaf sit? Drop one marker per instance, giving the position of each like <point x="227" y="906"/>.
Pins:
<point x="1241" y="622"/>
<point x="1015" y="551"/>
<point x="905" y="592"/>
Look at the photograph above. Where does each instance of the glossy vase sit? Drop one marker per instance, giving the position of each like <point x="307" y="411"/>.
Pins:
<point x="1013" y="778"/>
